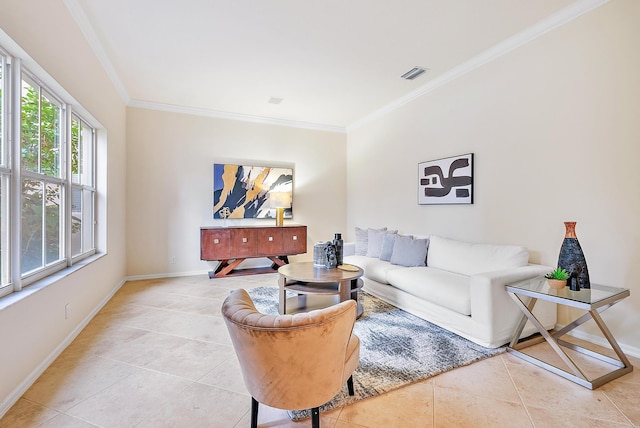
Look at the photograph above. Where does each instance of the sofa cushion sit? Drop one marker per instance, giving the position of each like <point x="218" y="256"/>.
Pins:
<point x="362" y="238"/>
<point x="387" y="246"/>
<point x="374" y="269"/>
<point x="446" y="289"/>
<point x="469" y="259"/>
<point x="361" y="241"/>
<point x="375" y="239"/>
<point x="409" y="252"/>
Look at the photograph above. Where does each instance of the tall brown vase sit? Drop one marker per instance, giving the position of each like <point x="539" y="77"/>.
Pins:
<point x="571" y="257"/>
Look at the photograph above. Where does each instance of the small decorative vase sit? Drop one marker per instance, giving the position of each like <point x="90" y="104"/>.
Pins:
<point x="571" y="257"/>
<point x="557" y="283"/>
<point x="338" y="244"/>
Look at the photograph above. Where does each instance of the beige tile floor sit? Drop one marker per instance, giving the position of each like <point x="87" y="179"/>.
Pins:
<point x="158" y="355"/>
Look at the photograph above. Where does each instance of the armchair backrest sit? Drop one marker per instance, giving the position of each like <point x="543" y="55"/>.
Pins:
<point x="290" y="361"/>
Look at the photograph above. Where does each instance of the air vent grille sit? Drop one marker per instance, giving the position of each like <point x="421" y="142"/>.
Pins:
<point x="413" y="73"/>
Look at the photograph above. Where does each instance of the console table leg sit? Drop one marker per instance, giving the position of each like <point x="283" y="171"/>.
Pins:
<point x="228" y="268"/>
<point x="277" y="262"/>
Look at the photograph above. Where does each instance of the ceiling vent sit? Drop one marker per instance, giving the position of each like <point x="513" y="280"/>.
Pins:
<point x="413" y="73"/>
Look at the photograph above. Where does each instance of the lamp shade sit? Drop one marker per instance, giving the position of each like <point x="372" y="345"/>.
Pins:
<point x="280" y="200"/>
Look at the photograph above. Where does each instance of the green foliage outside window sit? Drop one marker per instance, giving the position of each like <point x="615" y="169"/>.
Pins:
<point x="40" y="153"/>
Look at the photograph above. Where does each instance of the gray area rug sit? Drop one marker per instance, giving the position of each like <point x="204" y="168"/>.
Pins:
<point x="396" y="349"/>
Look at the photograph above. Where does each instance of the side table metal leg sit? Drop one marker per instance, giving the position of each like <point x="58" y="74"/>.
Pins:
<point x="552" y="341"/>
<point x="523" y="320"/>
<point x="612" y="341"/>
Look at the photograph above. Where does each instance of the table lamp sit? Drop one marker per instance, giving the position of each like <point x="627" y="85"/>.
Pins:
<point x="280" y="201"/>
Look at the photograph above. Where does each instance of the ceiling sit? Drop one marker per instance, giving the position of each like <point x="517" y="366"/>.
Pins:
<point x="332" y="62"/>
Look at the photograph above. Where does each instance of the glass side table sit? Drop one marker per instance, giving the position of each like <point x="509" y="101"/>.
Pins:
<point x="593" y="300"/>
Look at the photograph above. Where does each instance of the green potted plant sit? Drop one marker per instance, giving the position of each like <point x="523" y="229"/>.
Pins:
<point x="557" y="278"/>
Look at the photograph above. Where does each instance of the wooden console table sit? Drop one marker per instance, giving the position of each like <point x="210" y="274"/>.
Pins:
<point x="233" y="245"/>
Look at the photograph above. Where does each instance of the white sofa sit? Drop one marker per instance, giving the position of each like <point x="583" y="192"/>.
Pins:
<point x="461" y="288"/>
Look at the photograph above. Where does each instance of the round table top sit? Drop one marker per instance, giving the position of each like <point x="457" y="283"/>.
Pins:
<point x="308" y="272"/>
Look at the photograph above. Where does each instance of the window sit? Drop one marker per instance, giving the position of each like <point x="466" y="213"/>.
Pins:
<point x="5" y="282"/>
<point x="82" y="186"/>
<point x="47" y="180"/>
<point x="42" y="183"/>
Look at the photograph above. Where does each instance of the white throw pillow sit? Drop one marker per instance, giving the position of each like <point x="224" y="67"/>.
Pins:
<point x="362" y="241"/>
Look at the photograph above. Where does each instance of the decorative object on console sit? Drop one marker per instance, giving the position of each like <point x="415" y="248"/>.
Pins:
<point x="338" y="244"/>
<point x="330" y="254"/>
<point x="571" y="257"/>
<point x="245" y="190"/>
<point x="557" y="278"/>
<point x="225" y="212"/>
<point x="446" y="181"/>
<point x="280" y="201"/>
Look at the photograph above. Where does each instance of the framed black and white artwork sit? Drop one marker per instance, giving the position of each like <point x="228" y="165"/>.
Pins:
<point x="446" y="181"/>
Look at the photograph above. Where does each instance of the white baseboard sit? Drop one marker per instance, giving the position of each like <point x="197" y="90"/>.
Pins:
<point x="165" y="275"/>
<point x="19" y="391"/>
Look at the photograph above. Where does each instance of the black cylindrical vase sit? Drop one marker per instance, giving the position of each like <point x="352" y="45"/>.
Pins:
<point x="337" y="242"/>
<point x="571" y="257"/>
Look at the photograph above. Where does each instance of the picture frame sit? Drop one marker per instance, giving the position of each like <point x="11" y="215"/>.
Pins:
<point x="446" y="181"/>
<point x="244" y="191"/>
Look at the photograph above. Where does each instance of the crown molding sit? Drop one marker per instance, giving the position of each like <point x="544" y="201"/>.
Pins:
<point x="87" y="30"/>
<point x="562" y="17"/>
<point x="558" y="19"/>
<point x="234" y="116"/>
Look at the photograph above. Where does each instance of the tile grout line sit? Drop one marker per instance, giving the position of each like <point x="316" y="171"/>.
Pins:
<point x="513" y="382"/>
<point x="613" y="403"/>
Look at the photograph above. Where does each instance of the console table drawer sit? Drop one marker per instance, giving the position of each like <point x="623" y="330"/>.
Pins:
<point x="269" y="241"/>
<point x="215" y="244"/>
<point x="244" y="243"/>
<point x="294" y="240"/>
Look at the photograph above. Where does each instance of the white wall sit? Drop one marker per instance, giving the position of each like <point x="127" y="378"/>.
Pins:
<point x="170" y="159"/>
<point x="33" y="329"/>
<point x="554" y="126"/>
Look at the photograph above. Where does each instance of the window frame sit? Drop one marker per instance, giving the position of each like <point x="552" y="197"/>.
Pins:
<point x="12" y="174"/>
<point x="6" y="285"/>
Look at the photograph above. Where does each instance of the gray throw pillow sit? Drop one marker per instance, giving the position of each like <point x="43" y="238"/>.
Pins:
<point x="387" y="245"/>
<point x="409" y="252"/>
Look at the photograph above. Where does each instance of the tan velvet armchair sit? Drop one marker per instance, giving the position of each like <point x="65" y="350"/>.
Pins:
<point x="293" y="362"/>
